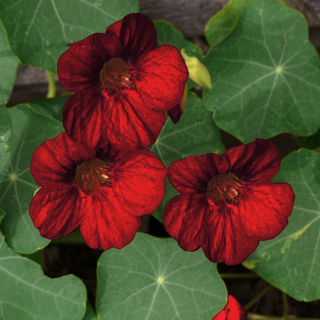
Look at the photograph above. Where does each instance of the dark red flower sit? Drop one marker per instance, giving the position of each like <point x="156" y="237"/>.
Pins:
<point x="123" y="85"/>
<point x="227" y="202"/>
<point x="232" y="311"/>
<point x="103" y="191"/>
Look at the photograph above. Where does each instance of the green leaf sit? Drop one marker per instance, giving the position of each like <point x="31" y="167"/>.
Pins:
<point x="291" y="260"/>
<point x="90" y="314"/>
<point x="193" y="135"/>
<point x="8" y="67"/>
<point x="40" y="31"/>
<point x="49" y="107"/>
<point x="17" y="186"/>
<point x="25" y="293"/>
<point x="168" y="34"/>
<point x="153" y="279"/>
<point x="5" y="133"/>
<point x="311" y="142"/>
<point x="265" y="75"/>
<point x="221" y="24"/>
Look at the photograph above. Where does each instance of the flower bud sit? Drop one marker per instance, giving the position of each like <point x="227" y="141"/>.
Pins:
<point x="197" y="71"/>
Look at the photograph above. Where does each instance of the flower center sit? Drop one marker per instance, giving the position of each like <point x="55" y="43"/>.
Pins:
<point x="92" y="174"/>
<point x="115" y="75"/>
<point x="224" y="187"/>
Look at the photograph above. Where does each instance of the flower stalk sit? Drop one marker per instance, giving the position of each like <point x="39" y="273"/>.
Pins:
<point x="51" y="85"/>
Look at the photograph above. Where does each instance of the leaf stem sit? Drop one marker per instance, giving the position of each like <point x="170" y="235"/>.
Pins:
<point x="254" y="316"/>
<point x="258" y="297"/>
<point x="247" y="275"/>
<point x="285" y="306"/>
<point x="51" y="85"/>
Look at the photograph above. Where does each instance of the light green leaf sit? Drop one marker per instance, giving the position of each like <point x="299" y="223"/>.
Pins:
<point x="41" y="30"/>
<point x="221" y="24"/>
<point x="193" y="135"/>
<point x="265" y="75"/>
<point x="153" y="279"/>
<point x="25" y="293"/>
<point x="168" y="34"/>
<point x="8" y="67"/>
<point x="17" y="185"/>
<point x="291" y="260"/>
<point x="5" y="133"/>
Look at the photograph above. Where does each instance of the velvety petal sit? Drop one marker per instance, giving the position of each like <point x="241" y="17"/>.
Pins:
<point x="224" y="239"/>
<point x="138" y="180"/>
<point x="184" y="217"/>
<point x="84" y="117"/>
<point x="264" y="209"/>
<point x="56" y="160"/>
<point x="232" y="311"/>
<point x="255" y="162"/>
<point x="129" y="124"/>
<point x="160" y="77"/>
<point x="56" y="211"/>
<point x="192" y="174"/>
<point x="79" y="67"/>
<point x="107" y="224"/>
<point x="137" y="35"/>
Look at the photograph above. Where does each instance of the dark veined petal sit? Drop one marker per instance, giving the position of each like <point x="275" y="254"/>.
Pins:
<point x="232" y="311"/>
<point x="56" y="211"/>
<point x="84" y="117"/>
<point x="264" y="209"/>
<point x="175" y="113"/>
<point x="255" y="162"/>
<point x="107" y="224"/>
<point x="138" y="181"/>
<point x="79" y="67"/>
<point x="56" y="160"/>
<point x="192" y="174"/>
<point x="160" y="77"/>
<point x="224" y="239"/>
<point x="183" y="218"/>
<point x="129" y="124"/>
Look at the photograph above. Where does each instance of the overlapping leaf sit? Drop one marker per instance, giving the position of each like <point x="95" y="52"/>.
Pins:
<point x="17" y="185"/>
<point x="153" y="279"/>
<point x="193" y="135"/>
<point x="40" y="31"/>
<point x="265" y="75"/>
<point x="25" y="293"/>
<point x="291" y="261"/>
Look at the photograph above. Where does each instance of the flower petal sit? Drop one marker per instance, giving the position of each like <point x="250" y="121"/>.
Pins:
<point x="56" y="160"/>
<point x="160" y="76"/>
<point x="139" y="182"/>
<point x="106" y="224"/>
<point x="136" y="33"/>
<point x="258" y="161"/>
<point x="79" y="67"/>
<point x="224" y="239"/>
<point x="183" y="218"/>
<point x="192" y="174"/>
<point x="264" y="209"/>
<point x="56" y="212"/>
<point x="232" y="311"/>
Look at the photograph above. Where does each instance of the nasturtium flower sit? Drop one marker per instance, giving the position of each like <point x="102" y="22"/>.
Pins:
<point x="227" y="203"/>
<point x="123" y="85"/>
<point x="232" y="311"/>
<point x="104" y="191"/>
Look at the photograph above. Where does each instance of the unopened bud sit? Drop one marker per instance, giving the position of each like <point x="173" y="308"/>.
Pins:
<point x="197" y="71"/>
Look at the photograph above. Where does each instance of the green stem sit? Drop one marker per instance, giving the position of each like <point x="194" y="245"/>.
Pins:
<point x="254" y="316"/>
<point x="51" y="85"/>
<point x="257" y="297"/>
<point x="285" y="306"/>
<point x="247" y="275"/>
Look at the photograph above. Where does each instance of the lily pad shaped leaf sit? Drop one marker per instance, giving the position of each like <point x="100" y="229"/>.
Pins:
<point x="26" y="293"/>
<point x="42" y="30"/>
<point x="153" y="279"/>
<point x="193" y="135"/>
<point x="5" y="133"/>
<point x="265" y="75"/>
<point x="291" y="260"/>
<point x="17" y="186"/>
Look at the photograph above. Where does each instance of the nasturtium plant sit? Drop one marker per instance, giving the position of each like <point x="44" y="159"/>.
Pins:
<point x="5" y="133"/>
<point x="265" y="75"/>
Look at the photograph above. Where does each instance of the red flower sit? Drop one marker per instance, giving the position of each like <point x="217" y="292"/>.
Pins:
<point x="104" y="191"/>
<point x="227" y="202"/>
<point x="232" y="311"/>
<point x="123" y="85"/>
